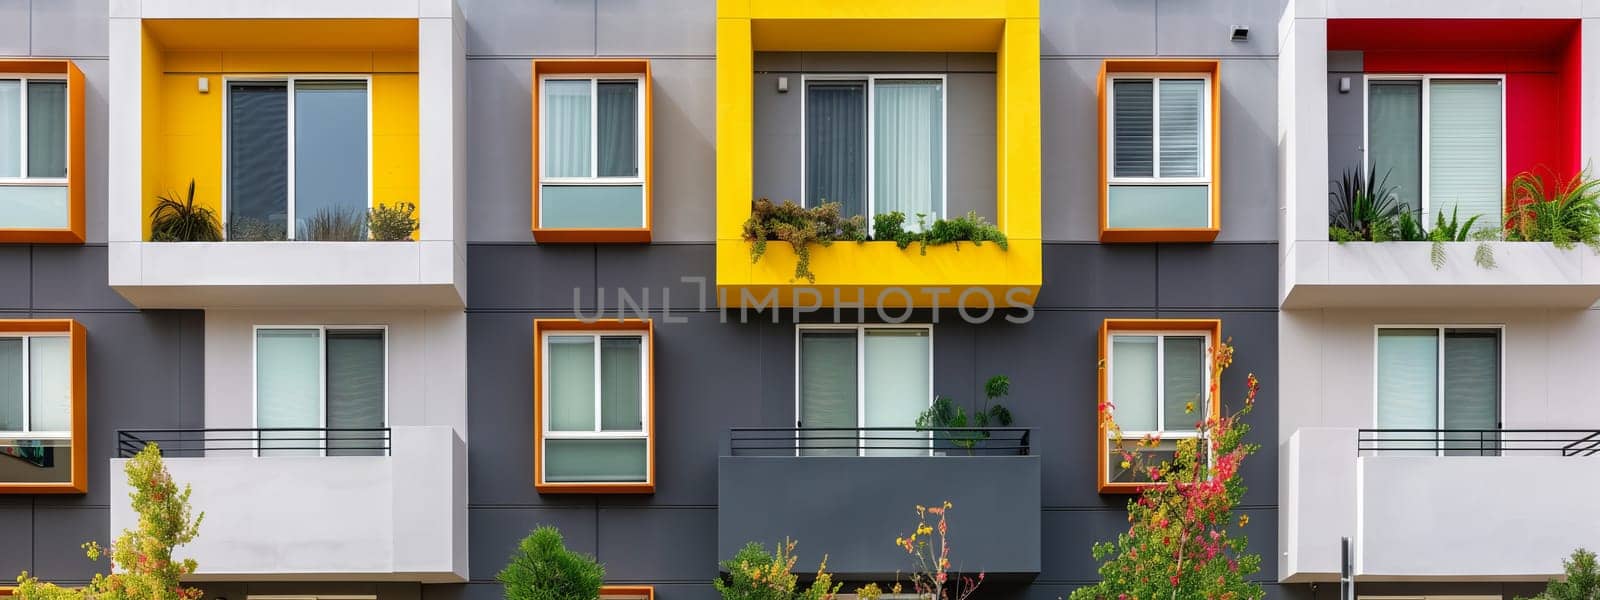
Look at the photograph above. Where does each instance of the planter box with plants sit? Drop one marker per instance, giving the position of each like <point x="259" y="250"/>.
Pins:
<point x="807" y="255"/>
<point x="1379" y="253"/>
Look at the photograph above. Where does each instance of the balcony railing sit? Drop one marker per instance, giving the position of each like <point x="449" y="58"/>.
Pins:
<point x="879" y="441"/>
<point x="1479" y="442"/>
<point x="183" y="443"/>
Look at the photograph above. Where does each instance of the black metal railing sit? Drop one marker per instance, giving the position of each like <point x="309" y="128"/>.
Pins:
<point x="879" y="441"/>
<point x="267" y="441"/>
<point x="1479" y="442"/>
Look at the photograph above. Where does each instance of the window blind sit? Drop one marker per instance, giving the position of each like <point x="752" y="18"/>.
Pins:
<point x="1133" y="382"/>
<point x="1133" y="127"/>
<point x="288" y="393"/>
<point x="355" y="374"/>
<point x="621" y="383"/>
<point x="1394" y="137"/>
<point x="569" y="366"/>
<point x="11" y="390"/>
<point x="618" y="128"/>
<point x="47" y="128"/>
<point x="258" y="160"/>
<point x="1408" y="382"/>
<point x="836" y="145"/>
<point x="10" y="128"/>
<point x="1465" y="165"/>
<point x="827" y="389"/>
<point x="1182" y="117"/>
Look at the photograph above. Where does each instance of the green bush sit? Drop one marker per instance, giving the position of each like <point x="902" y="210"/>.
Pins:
<point x="543" y="568"/>
<point x="753" y="574"/>
<point x="1583" y="580"/>
<point x="1566" y="215"/>
<point x="970" y="228"/>
<point x="393" y="224"/>
<point x="800" y="227"/>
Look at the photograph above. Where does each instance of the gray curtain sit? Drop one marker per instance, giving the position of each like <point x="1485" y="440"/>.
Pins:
<point x="330" y="159"/>
<point x="10" y="127"/>
<point x="11" y="394"/>
<point x="836" y="145"/>
<point x="828" y="390"/>
<point x="1133" y="128"/>
<point x="621" y="383"/>
<point x="355" y="391"/>
<point x="47" y="128"/>
<point x="1471" y="389"/>
<point x="258" y="159"/>
<point x="1183" y="375"/>
<point x="1394" y="137"/>
<point x="618" y="128"/>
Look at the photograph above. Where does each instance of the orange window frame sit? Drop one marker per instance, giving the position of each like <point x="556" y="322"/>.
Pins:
<point x="627" y="592"/>
<point x="76" y="169"/>
<point x="1209" y="67"/>
<point x="1109" y="327"/>
<point x="596" y="67"/>
<point x="541" y="327"/>
<point x="77" y="338"/>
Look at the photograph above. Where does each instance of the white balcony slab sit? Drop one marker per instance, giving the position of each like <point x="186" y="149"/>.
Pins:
<point x="1320" y="274"/>
<point x="350" y="518"/>
<point x="289" y="274"/>
<point x="1430" y="518"/>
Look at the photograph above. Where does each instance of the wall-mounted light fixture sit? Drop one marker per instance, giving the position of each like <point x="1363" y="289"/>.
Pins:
<point x="783" y="85"/>
<point x="205" y="85"/>
<point x="1344" y="85"/>
<point x="1239" y="33"/>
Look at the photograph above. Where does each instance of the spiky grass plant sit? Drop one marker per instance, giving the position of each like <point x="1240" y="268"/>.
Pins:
<point x="179" y="220"/>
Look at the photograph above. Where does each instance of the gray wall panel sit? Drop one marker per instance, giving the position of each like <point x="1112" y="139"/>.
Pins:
<point x="1346" y="113"/>
<point x="14" y="27"/>
<point x="16" y="521"/>
<point x="495" y="532"/>
<point x="58" y="536"/>
<point x="1097" y="27"/>
<point x="684" y="199"/>
<point x="1202" y="27"/>
<point x="656" y="27"/>
<point x="16" y="264"/>
<point x="1098" y="276"/>
<point x="71" y="28"/>
<point x="97" y="81"/>
<point x="529" y="27"/>
<point x="1220" y="275"/>
<point x="645" y="545"/>
<point x="1249" y="147"/>
<point x="499" y="162"/>
<point x="526" y="277"/>
<point x="73" y="276"/>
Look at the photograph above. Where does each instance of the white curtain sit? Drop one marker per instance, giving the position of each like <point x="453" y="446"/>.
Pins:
<point x="1183" y="382"/>
<point x="1408" y="382"/>
<point x="50" y="384"/>
<point x="10" y="128"/>
<point x="288" y="393"/>
<point x="621" y="383"/>
<point x="896" y="385"/>
<point x="1182" y="121"/>
<point x="1133" y="382"/>
<point x="569" y="366"/>
<point x="1394" y="138"/>
<point x="908" y="148"/>
<point x="47" y="128"/>
<point x="1133" y="128"/>
<point x="1465" y="163"/>
<point x="567" y="128"/>
<point x="827" y="390"/>
<point x="11" y="392"/>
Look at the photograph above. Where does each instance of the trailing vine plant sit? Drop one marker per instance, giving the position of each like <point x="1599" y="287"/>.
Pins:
<point x="825" y="224"/>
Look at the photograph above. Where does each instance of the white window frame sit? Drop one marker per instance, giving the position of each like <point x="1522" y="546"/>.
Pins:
<point x="1206" y="141"/>
<point x="322" y="374"/>
<point x="645" y="383"/>
<point x="861" y="369"/>
<point x="871" y="82"/>
<point x="1438" y="393"/>
<point x="1427" y="85"/>
<point x="27" y="431"/>
<point x="289" y="80"/>
<point x="594" y="178"/>
<point x="22" y="179"/>
<point x="1204" y="406"/>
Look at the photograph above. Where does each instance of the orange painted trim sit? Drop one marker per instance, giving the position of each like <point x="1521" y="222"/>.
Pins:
<point x="1212" y="327"/>
<point x="597" y="66"/>
<point x="544" y="326"/>
<point x="1211" y="67"/>
<point x="78" y="338"/>
<point x="77" y="169"/>
<point x="648" y="592"/>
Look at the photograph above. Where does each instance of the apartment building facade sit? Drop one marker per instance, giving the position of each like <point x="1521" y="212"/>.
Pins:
<point x="1153" y="164"/>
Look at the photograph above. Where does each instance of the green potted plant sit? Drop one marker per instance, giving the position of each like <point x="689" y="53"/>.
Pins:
<point x="393" y="223"/>
<point x="175" y="220"/>
<point x="945" y="413"/>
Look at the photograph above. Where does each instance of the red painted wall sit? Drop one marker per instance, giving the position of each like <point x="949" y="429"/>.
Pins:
<point x="1540" y="59"/>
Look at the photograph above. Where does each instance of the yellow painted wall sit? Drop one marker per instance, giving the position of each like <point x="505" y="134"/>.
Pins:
<point x="183" y="127"/>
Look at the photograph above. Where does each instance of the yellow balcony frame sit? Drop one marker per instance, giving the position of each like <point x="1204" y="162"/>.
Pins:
<point x="849" y="272"/>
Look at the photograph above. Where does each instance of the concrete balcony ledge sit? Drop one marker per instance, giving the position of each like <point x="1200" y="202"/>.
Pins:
<point x="995" y="514"/>
<point x="424" y="274"/>
<point x="1430" y="518"/>
<point x="305" y="518"/>
<point x="1321" y="274"/>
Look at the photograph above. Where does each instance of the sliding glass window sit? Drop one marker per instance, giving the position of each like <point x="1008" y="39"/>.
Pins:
<point x="863" y="377"/>
<point x="1438" y="389"/>
<point x="596" y="408"/>
<point x="33" y="152"/>
<point x="590" y="171"/>
<point x="876" y="145"/>
<point x="311" y="379"/>
<point x="1440" y="142"/>
<point x="299" y="159"/>
<point x="1159" y="387"/>
<point x="1160" y="151"/>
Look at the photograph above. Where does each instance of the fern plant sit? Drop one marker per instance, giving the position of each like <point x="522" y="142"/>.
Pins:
<point x="1566" y="215"/>
<point x="174" y="220"/>
<point x="1456" y="231"/>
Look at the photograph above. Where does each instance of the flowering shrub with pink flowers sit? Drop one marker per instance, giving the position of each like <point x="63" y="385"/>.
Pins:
<point x="1182" y="540"/>
<point x="931" y="577"/>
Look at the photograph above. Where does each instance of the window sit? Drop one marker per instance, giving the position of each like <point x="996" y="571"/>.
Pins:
<point x="592" y="150"/>
<point x="1440" y="384"/>
<point x="1159" y="174"/>
<point x="851" y="377"/>
<point x="315" y="380"/>
<point x="1156" y="380"/>
<point x="1440" y="142"/>
<point x="875" y="144"/>
<point x="34" y="151"/>
<point x="594" y="394"/>
<point x="41" y="406"/>
<point x="298" y="159"/>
